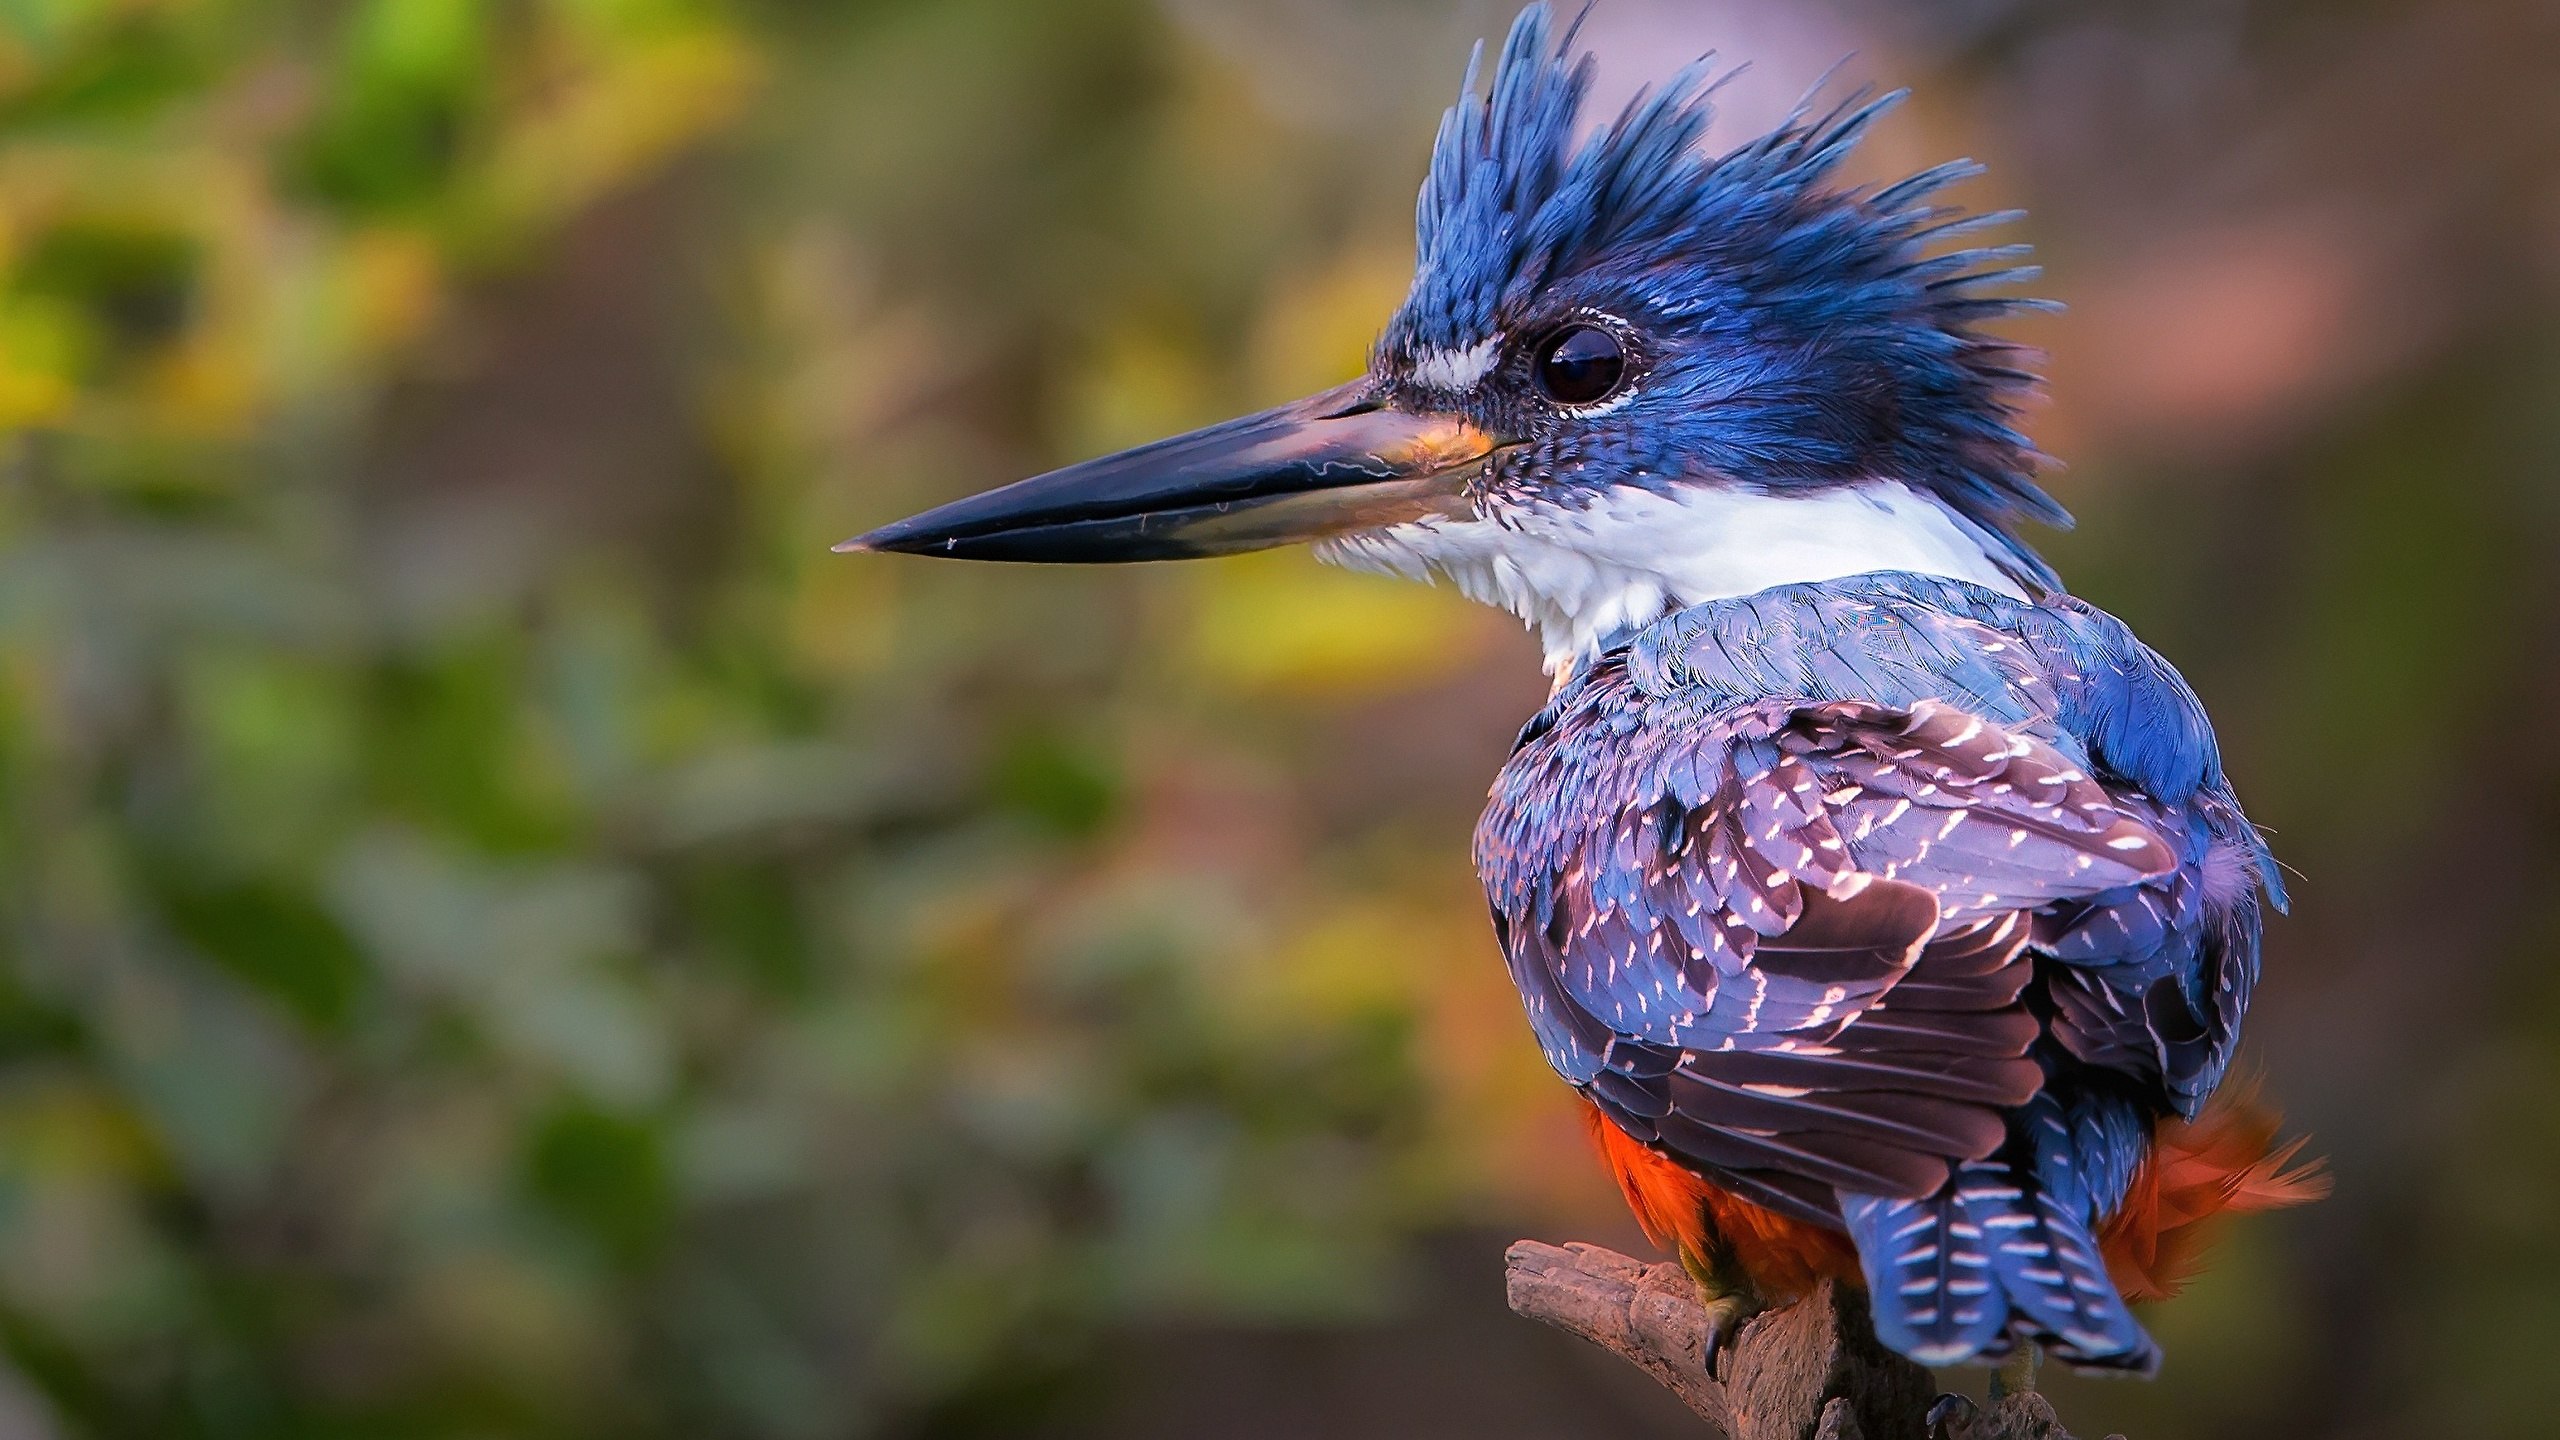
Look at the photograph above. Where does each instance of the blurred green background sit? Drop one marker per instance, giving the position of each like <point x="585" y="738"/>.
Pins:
<point x="502" y="934"/>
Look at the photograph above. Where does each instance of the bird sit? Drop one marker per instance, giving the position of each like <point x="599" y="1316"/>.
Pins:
<point x="1887" y="905"/>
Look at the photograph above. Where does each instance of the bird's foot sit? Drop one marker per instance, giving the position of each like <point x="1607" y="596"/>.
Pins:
<point x="1727" y="1298"/>
<point x="1951" y="1418"/>
<point x="2014" y="1408"/>
<point x="1726" y="1315"/>
<point x="2017" y="1374"/>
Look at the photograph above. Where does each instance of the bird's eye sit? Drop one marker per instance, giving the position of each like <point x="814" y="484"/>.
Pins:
<point x="1581" y="365"/>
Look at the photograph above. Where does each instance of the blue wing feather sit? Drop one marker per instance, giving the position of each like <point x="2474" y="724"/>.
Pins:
<point x="1768" y="877"/>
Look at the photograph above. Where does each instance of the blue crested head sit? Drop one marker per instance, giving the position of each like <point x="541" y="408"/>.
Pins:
<point x="1772" y="326"/>
<point x="1632" y="375"/>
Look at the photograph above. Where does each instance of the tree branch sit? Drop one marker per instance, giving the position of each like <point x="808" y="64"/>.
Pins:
<point x="1812" y="1371"/>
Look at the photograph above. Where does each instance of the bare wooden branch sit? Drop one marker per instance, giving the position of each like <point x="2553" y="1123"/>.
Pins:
<point x="1779" y="1380"/>
<point x="2015" y="1417"/>
<point x="1812" y="1371"/>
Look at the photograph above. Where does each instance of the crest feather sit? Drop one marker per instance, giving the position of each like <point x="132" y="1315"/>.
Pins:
<point x="1514" y="205"/>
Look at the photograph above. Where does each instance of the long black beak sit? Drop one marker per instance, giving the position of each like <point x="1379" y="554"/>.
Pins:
<point x="1331" y="463"/>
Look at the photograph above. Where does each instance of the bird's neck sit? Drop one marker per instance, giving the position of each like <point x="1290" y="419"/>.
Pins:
<point x="1581" y="576"/>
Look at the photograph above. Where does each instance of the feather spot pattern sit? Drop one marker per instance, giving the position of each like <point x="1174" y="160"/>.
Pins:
<point x="1815" y="892"/>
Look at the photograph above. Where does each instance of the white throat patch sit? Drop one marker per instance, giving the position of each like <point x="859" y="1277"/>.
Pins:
<point x="1580" y="576"/>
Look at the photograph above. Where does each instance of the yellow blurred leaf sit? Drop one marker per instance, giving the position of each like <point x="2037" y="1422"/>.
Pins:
<point x="642" y="100"/>
<point x="1141" y="383"/>
<point x="1279" y="621"/>
<point x="391" y="282"/>
<point x="1363" y="955"/>
<point x="56" y="1126"/>
<point x="1317" y="329"/>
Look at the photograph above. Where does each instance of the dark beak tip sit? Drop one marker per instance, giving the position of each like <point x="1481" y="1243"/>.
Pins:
<point x="1295" y="472"/>
<point x="900" y="537"/>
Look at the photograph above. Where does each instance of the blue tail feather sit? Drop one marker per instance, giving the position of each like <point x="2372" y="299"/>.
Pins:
<point x="1929" y="1277"/>
<point x="2050" y="1271"/>
<point x="1995" y="1253"/>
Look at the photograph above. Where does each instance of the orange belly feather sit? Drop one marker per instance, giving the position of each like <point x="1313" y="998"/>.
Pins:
<point x="2226" y="1162"/>
<point x="1784" y="1256"/>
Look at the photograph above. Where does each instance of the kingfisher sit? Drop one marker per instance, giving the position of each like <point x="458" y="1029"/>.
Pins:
<point x="1887" y="905"/>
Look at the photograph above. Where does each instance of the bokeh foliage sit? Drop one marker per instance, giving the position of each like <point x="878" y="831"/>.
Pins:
<point x="667" y="979"/>
<point x="502" y="934"/>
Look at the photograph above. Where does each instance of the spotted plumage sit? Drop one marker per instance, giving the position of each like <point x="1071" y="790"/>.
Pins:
<point x="1887" y="905"/>
<point x="1860" y="897"/>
